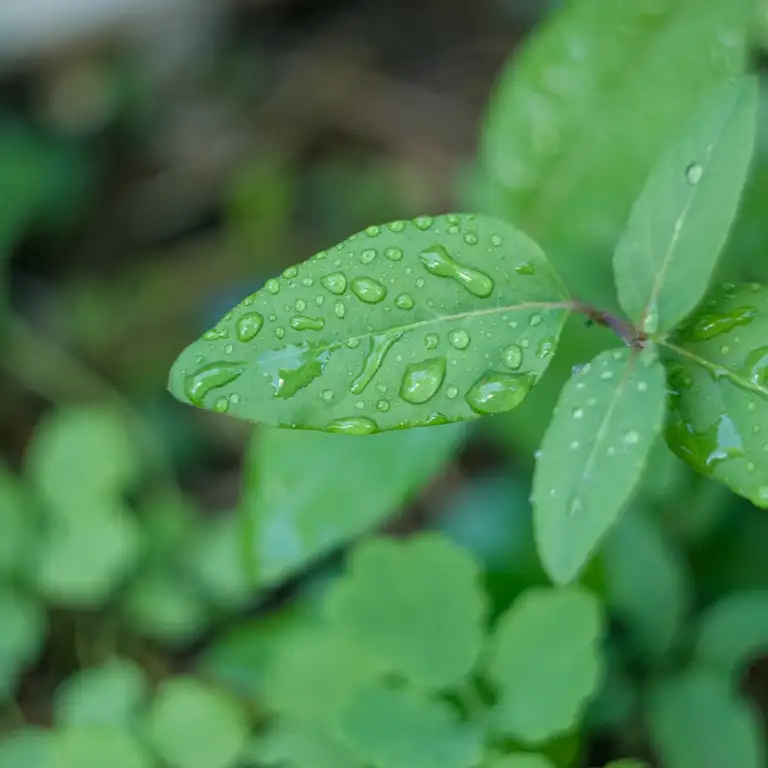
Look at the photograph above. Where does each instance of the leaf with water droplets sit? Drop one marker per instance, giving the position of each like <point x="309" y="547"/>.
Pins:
<point x="681" y="219"/>
<point x="718" y="374"/>
<point x="407" y="324"/>
<point x="593" y="455"/>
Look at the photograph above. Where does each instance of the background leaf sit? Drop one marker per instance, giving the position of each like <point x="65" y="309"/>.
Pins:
<point x="681" y="219"/>
<point x="718" y="373"/>
<point x="301" y="747"/>
<point x="432" y="587"/>
<point x="697" y="720"/>
<point x="30" y="747"/>
<point x="97" y="745"/>
<point x="593" y="455"/>
<point x="544" y="662"/>
<point x="23" y="633"/>
<point x="521" y="760"/>
<point x="403" y="325"/>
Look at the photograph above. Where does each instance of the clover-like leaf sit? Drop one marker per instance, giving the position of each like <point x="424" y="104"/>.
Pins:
<point x="521" y="760"/>
<point x="681" y="219"/>
<point x="308" y="492"/>
<point x="733" y="632"/>
<point x="297" y="746"/>
<point x="719" y="378"/>
<point x="403" y="325"/>
<point x="432" y="589"/>
<point x="191" y="725"/>
<point x="593" y="455"/>
<point x="544" y="661"/>
<point x="109" y="694"/>
<point x="697" y="719"/>
<point x="399" y="728"/>
<point x="29" y="747"/>
<point x="97" y="745"/>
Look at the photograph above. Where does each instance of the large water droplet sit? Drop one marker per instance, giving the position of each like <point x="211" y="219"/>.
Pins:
<point x="423" y="222"/>
<point x="373" y="231"/>
<point x="693" y="173"/>
<point x="293" y="367"/>
<point x="396" y="226"/>
<point x="709" y="326"/>
<point x="212" y="376"/>
<point x="353" y="425"/>
<point x="422" y="380"/>
<point x="306" y="323"/>
<point x="290" y="272"/>
<point x="394" y="254"/>
<point x="216" y="334"/>
<point x="756" y="367"/>
<point x="459" y="338"/>
<point x="368" y="290"/>
<point x="470" y="238"/>
<point x="404" y="301"/>
<point x="272" y="286"/>
<point x="498" y="392"/>
<point x="512" y="357"/>
<point x="379" y="345"/>
<point x="382" y="405"/>
<point x="439" y="263"/>
<point x="336" y="283"/>
<point x="367" y="256"/>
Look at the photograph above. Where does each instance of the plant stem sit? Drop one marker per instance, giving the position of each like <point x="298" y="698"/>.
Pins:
<point x="628" y="333"/>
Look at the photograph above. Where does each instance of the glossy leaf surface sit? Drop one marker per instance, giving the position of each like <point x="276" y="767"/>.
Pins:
<point x="719" y="378"/>
<point x="403" y="325"/>
<point x="545" y="663"/>
<point x="593" y="455"/>
<point x="307" y="493"/>
<point x="681" y="219"/>
<point x="697" y="719"/>
<point x="432" y="587"/>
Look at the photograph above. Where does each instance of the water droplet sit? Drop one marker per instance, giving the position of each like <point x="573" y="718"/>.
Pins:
<point x="300" y="305"/>
<point x="431" y="340"/>
<point x="751" y="407"/>
<point x="306" y="323"/>
<point x="215" y="334"/>
<point x="497" y="392"/>
<point x="453" y="229"/>
<point x="711" y="325"/>
<point x="404" y="301"/>
<point x="352" y="425"/>
<point x="307" y="282"/>
<point x="327" y="395"/>
<point x="382" y="405"/>
<point x="339" y="309"/>
<point x="394" y="254"/>
<point x="353" y="343"/>
<point x="272" y="286"/>
<point x="470" y="238"/>
<point x="459" y="338"/>
<point x="320" y="255"/>
<point x="578" y="413"/>
<point x="199" y="359"/>
<point x="294" y="367"/>
<point x="512" y="356"/>
<point x="368" y="290"/>
<point x="694" y="173"/>
<point x="546" y="349"/>
<point x="291" y="272"/>
<point x="379" y="345"/>
<point x="606" y="375"/>
<point x="221" y="405"/>
<point x="279" y="332"/>
<point x="750" y="467"/>
<point x="575" y="445"/>
<point x="525" y="268"/>
<point x="396" y="226"/>
<point x="210" y="377"/>
<point x="756" y="367"/>
<point x="423" y="222"/>
<point x="496" y="240"/>
<point x="336" y="283"/>
<point x="422" y="380"/>
<point x="453" y="218"/>
<point x="373" y="231"/>
<point x="228" y="349"/>
<point x="367" y="256"/>
<point x="762" y="494"/>
<point x="439" y="263"/>
<point x="631" y="437"/>
<point x="451" y="392"/>
<point x="642" y="386"/>
<point x="319" y="299"/>
<point x="535" y="320"/>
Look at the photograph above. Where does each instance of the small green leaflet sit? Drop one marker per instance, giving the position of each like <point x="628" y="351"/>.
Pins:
<point x="681" y="219"/>
<point x="593" y="455"/>
<point x="407" y="324"/>
<point x="719" y="378"/>
<point x="76" y="747"/>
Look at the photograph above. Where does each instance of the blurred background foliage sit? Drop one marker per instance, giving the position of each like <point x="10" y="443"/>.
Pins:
<point x="160" y="160"/>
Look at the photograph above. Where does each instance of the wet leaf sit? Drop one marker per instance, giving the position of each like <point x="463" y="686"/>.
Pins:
<point x="398" y="728"/>
<point x="696" y="719"/>
<point x="97" y="745"/>
<point x="544" y="661"/>
<point x="734" y="632"/>
<point x="403" y="325"/>
<point x="432" y="588"/>
<point x="593" y="455"/>
<point x="585" y="107"/>
<point x="681" y="219"/>
<point x="718" y="373"/>
<point x="307" y="493"/>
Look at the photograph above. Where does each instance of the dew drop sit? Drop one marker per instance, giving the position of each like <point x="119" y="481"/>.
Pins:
<point x="422" y="380"/>
<point x="352" y="425"/>
<point x="525" y="268"/>
<point x="642" y="386"/>
<point x="694" y="173"/>
<point x="404" y="301"/>
<point x="606" y="375"/>
<point x="756" y="367"/>
<point x="534" y="320"/>
<point x="215" y="334"/>
<point x="307" y="282"/>
<point x="470" y="238"/>
<point x="578" y="413"/>
<point x="546" y="349"/>
<point x="373" y="231"/>
<point x="306" y="323"/>
<point x="459" y="338"/>
<point x="339" y="309"/>
<point x="367" y="256"/>
<point x="279" y="332"/>
<point x="711" y="325"/>
<point x="496" y="240"/>
<point x="368" y="290"/>
<point x="394" y="254"/>
<point x="212" y="376"/>
<point x="762" y="494"/>
<point x="353" y="343"/>
<point x="300" y="305"/>
<point x="452" y="391"/>
<point x="272" y="286"/>
<point x="291" y="272"/>
<point x="497" y="392"/>
<point x="423" y="222"/>
<point x="379" y="345"/>
<point x="327" y="395"/>
<point x="336" y="283"/>
<point x="575" y="445"/>
<point x="431" y="341"/>
<point x="221" y="405"/>
<point x="437" y="262"/>
<point x="631" y="437"/>
<point x="396" y="226"/>
<point x="382" y="405"/>
<point x="512" y="357"/>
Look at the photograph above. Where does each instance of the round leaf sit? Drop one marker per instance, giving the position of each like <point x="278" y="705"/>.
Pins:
<point x="719" y="379"/>
<point x="397" y="728"/>
<point x="190" y="725"/>
<point x="544" y="661"/>
<point x="403" y="325"/>
<point x="97" y="745"/>
<point x="425" y="584"/>
<point x="593" y="455"/>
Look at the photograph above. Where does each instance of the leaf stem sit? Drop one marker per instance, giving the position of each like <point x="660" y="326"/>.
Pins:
<point x="628" y="333"/>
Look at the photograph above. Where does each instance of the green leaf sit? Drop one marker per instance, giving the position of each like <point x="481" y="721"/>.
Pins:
<point x="17" y="529"/>
<point x="647" y="583"/>
<point x="432" y="588"/>
<point x="593" y="455"/>
<point x="307" y="493"/>
<point x="733" y="632"/>
<point x="585" y="107"/>
<point x="22" y="635"/>
<point x="110" y="694"/>
<point x="627" y="762"/>
<point x="695" y="719"/>
<point x="681" y="219"/>
<point x="719" y="378"/>
<point x="398" y="728"/>
<point x="545" y="663"/>
<point x="521" y="760"/>
<point x="190" y="725"/>
<point x="28" y="748"/>
<point x="403" y="325"/>
<point x="297" y="746"/>
<point x="97" y="745"/>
